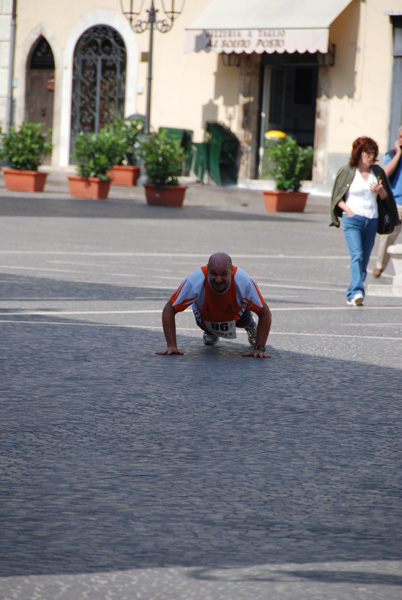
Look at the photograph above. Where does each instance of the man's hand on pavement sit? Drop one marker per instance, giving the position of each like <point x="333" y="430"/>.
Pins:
<point x="257" y="354"/>
<point x="170" y="350"/>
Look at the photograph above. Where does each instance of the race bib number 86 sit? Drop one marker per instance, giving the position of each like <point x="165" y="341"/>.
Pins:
<point x="226" y="329"/>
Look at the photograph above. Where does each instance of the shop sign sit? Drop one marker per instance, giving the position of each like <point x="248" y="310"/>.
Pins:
<point x="250" y="40"/>
<point x="259" y="40"/>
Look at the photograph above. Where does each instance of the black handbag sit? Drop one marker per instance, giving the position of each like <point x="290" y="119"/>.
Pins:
<point x="386" y="219"/>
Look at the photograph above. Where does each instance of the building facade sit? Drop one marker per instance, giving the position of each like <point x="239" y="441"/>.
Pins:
<point x="7" y="44"/>
<point x="324" y="74"/>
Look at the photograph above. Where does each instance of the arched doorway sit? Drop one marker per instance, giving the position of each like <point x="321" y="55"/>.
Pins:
<point x="40" y="85"/>
<point x="99" y="79"/>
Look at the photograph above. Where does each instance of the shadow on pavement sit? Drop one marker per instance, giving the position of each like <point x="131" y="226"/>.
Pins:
<point x="126" y="209"/>
<point x="46" y="289"/>
<point x="331" y="575"/>
<point x="115" y="458"/>
<point x="35" y="289"/>
<point x="354" y="577"/>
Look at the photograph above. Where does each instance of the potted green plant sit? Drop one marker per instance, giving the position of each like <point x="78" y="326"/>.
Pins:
<point x="23" y="150"/>
<point x="95" y="153"/>
<point x="290" y="164"/>
<point x="128" y="133"/>
<point x="163" y="159"/>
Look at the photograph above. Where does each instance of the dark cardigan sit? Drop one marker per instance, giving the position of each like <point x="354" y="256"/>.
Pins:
<point x="343" y="182"/>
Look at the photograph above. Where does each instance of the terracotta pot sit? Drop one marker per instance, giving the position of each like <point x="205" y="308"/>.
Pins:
<point x="170" y="195"/>
<point x="18" y="180"/>
<point x="88" y="187"/>
<point x="125" y="175"/>
<point x="279" y="201"/>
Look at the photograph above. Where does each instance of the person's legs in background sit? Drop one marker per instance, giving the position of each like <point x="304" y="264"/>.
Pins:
<point x="385" y="242"/>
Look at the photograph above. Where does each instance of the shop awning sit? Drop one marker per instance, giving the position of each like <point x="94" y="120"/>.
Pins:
<point x="264" y="26"/>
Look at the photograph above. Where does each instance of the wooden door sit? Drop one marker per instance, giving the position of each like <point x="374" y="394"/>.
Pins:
<point x="40" y="94"/>
<point x="40" y="86"/>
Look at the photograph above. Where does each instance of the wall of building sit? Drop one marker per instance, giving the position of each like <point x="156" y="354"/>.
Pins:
<point x="357" y="97"/>
<point x="189" y="89"/>
<point x="5" y="32"/>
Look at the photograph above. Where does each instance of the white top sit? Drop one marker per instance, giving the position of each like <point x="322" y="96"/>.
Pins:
<point x="360" y="198"/>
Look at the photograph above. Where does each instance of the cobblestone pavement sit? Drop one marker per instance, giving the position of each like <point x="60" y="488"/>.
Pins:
<point x="127" y="475"/>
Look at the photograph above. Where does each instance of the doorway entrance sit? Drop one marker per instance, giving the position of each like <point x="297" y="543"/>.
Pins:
<point x="99" y="80"/>
<point x="40" y="86"/>
<point x="289" y="92"/>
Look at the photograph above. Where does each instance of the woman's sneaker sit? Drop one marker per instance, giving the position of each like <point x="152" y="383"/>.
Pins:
<point x="210" y="339"/>
<point x="252" y="333"/>
<point x="357" y="300"/>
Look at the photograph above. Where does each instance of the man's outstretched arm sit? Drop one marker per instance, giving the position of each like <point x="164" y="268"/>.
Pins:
<point x="169" y="329"/>
<point x="263" y="329"/>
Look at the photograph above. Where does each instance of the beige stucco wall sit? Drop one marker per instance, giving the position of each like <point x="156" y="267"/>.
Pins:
<point x="62" y="30"/>
<point x="357" y="98"/>
<point x="187" y="88"/>
<point x="190" y="88"/>
<point x="360" y="88"/>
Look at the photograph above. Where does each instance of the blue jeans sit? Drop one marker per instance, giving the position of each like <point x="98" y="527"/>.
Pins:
<point x="360" y="235"/>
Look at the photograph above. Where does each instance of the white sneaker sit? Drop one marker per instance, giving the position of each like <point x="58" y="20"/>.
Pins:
<point x="357" y="300"/>
<point x="210" y="339"/>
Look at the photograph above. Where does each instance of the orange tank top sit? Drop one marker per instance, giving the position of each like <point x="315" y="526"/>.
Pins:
<point x="220" y="307"/>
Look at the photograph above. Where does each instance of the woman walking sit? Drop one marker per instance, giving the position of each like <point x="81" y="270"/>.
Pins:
<point x="358" y="188"/>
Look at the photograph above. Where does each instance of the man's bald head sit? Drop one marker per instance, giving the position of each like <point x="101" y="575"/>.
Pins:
<point x="219" y="260"/>
<point x="219" y="271"/>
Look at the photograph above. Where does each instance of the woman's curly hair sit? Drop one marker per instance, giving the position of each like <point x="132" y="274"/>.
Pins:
<point x="362" y="144"/>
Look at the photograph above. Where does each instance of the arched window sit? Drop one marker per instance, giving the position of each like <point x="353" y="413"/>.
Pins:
<point x="40" y="84"/>
<point x="99" y="76"/>
<point x="41" y="57"/>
